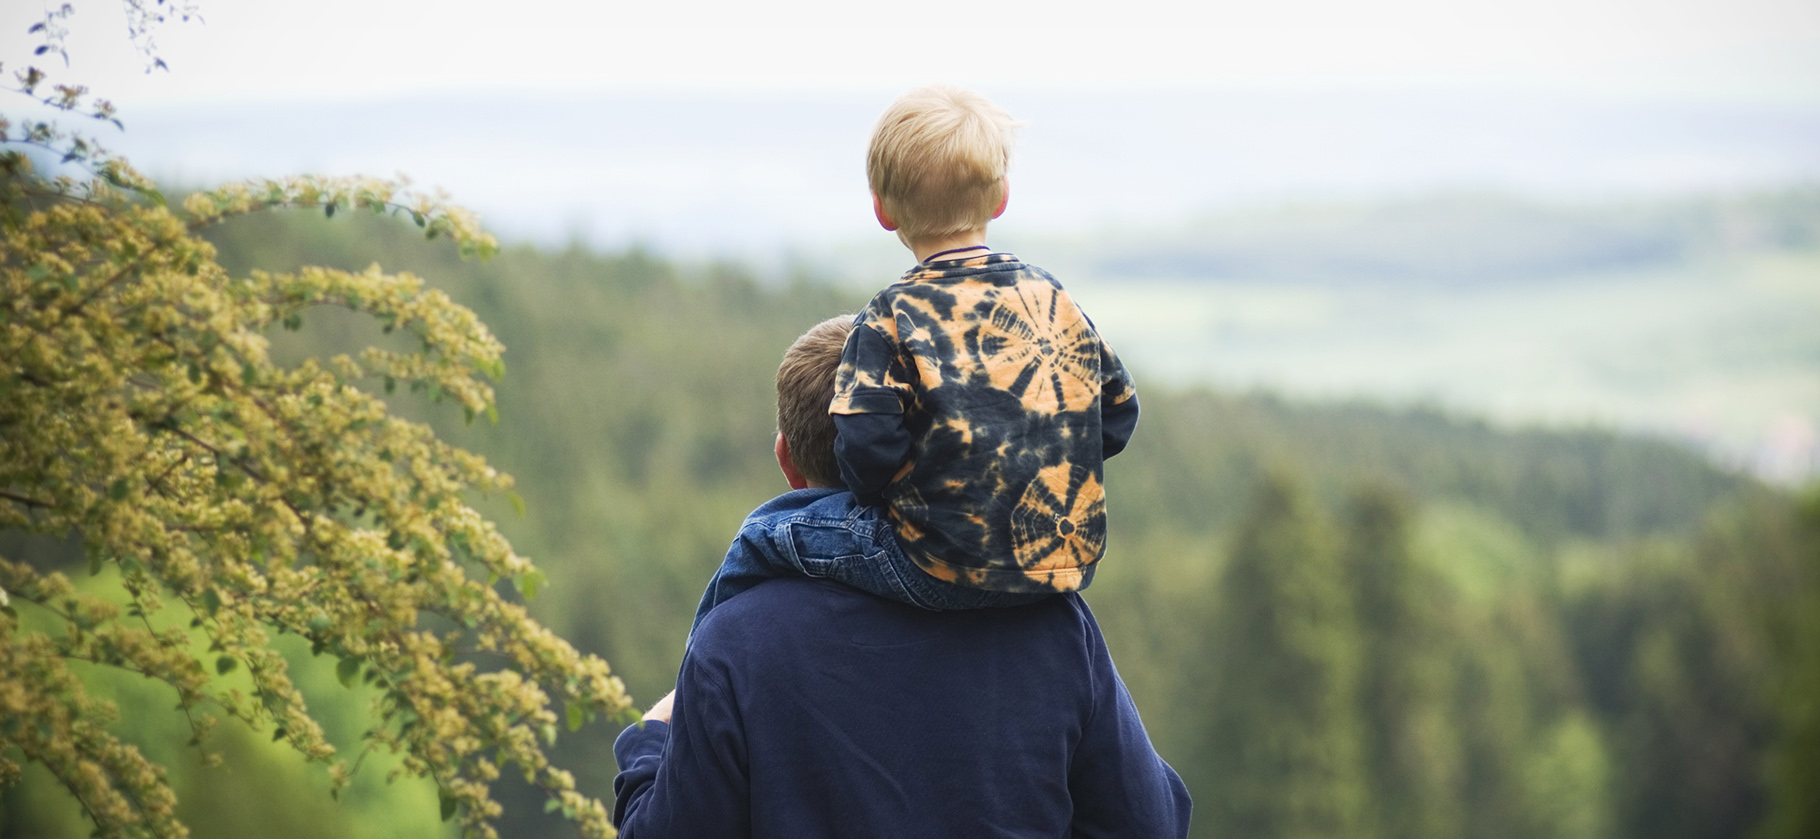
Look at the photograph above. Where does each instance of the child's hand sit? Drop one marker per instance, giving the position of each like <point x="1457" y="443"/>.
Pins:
<point x="661" y="711"/>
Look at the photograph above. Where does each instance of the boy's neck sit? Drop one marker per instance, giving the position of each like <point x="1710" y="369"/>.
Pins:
<point x="923" y="249"/>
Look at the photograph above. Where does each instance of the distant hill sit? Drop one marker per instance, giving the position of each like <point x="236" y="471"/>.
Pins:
<point x="1457" y="239"/>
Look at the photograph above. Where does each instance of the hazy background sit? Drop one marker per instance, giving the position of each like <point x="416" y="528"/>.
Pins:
<point x="1176" y="158"/>
<point x="1465" y="333"/>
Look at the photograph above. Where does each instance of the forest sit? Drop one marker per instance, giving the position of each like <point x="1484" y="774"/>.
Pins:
<point x="1337" y="618"/>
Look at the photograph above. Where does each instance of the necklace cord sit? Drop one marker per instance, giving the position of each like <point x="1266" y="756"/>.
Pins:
<point x="932" y="256"/>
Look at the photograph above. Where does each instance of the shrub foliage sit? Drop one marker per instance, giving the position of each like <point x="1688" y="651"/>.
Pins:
<point x="238" y="498"/>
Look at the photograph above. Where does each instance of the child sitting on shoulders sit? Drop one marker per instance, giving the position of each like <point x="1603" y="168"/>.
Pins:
<point x="972" y="402"/>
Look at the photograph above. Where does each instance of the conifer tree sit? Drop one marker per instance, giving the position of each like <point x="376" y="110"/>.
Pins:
<point x="1285" y="738"/>
<point x="1794" y="761"/>
<point x="1412" y="749"/>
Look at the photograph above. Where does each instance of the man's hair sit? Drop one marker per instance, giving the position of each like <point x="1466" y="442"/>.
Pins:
<point x="805" y="387"/>
<point x="937" y="160"/>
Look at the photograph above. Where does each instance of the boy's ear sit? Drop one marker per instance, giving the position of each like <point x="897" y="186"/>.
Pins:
<point x="792" y="476"/>
<point x="1003" y="200"/>
<point x="884" y="219"/>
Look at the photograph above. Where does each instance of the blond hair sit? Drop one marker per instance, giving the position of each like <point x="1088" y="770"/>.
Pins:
<point x="937" y="161"/>
<point x="805" y="387"/>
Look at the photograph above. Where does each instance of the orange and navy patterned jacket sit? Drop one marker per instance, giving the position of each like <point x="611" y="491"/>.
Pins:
<point x="977" y="404"/>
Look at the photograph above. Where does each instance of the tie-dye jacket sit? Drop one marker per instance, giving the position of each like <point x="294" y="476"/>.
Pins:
<point x="977" y="404"/>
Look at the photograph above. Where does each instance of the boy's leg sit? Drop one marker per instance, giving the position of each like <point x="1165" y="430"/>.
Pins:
<point x="766" y="546"/>
<point x="940" y="595"/>
<point x="829" y="534"/>
<point x="860" y="549"/>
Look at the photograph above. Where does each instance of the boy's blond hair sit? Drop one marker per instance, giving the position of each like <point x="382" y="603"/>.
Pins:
<point x="937" y="161"/>
<point x="805" y="386"/>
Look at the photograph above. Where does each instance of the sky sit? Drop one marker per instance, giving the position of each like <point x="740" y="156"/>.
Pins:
<point x="257" y="50"/>
<point x="736" y="127"/>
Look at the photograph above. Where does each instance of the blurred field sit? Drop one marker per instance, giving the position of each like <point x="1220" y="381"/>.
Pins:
<point x="1703" y="330"/>
<point x="1722" y="354"/>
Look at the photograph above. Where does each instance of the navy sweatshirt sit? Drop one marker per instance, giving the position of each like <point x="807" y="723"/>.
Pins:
<point x="805" y="709"/>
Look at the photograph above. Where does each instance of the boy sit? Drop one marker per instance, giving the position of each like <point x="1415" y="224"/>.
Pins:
<point x="974" y="403"/>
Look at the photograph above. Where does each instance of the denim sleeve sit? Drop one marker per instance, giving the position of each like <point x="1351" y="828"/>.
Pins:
<point x="1120" y="787"/>
<point x="762" y="549"/>
<point x="755" y="556"/>
<point x="814" y="532"/>
<point x="687" y="778"/>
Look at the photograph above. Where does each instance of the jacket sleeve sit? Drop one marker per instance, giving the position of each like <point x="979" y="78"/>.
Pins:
<point x="872" y="389"/>
<point x="1117" y="422"/>
<point x="1121" y="788"/>
<point x="1118" y="403"/>
<point x="687" y="778"/>
<point x="870" y="449"/>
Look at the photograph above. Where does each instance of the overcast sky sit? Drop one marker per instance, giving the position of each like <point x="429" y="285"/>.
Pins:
<point x="1727" y="50"/>
<point x="729" y="125"/>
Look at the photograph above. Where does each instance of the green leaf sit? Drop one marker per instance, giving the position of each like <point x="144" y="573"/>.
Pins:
<point x="518" y="503"/>
<point x="319" y="623"/>
<point x="348" y="670"/>
<point x="528" y="582"/>
<point x="211" y="601"/>
<point x="577" y="714"/>
<point x="448" y="805"/>
<point x="391" y="384"/>
<point x="552" y="805"/>
<point x="225" y="665"/>
<point x="94" y="564"/>
<point x="117" y="490"/>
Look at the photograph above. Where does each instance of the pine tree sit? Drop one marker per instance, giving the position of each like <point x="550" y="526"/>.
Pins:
<point x="1412" y="746"/>
<point x="1286" y="734"/>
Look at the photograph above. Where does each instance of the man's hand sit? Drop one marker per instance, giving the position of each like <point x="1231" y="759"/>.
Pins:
<point x="661" y="711"/>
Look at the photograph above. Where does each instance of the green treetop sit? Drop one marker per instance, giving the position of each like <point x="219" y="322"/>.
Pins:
<point x="237" y="498"/>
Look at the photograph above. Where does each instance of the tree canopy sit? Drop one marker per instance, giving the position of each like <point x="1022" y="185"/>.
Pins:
<point x="234" y="499"/>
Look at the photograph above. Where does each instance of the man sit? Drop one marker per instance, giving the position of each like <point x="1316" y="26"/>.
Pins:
<point x="807" y="709"/>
